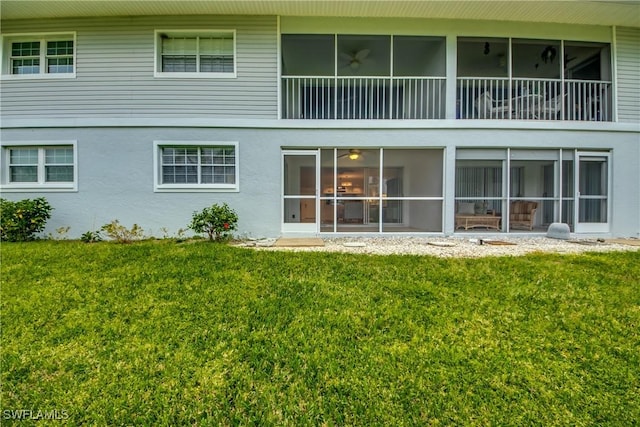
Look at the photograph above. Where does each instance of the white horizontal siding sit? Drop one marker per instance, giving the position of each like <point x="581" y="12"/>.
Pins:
<point x="628" y="68"/>
<point x="115" y="67"/>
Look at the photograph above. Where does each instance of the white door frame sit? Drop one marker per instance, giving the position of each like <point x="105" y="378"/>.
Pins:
<point x="592" y="227"/>
<point x="300" y="227"/>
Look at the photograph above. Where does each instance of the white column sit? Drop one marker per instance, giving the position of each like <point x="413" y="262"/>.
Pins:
<point x="449" y="189"/>
<point x="452" y="66"/>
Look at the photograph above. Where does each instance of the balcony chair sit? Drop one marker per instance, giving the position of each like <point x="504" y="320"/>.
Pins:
<point x="550" y="109"/>
<point x="522" y="213"/>
<point x="490" y="109"/>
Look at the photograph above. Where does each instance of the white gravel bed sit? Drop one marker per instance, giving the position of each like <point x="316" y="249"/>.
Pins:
<point x="455" y="246"/>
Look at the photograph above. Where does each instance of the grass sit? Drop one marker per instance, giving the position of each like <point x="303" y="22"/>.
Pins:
<point x="158" y="333"/>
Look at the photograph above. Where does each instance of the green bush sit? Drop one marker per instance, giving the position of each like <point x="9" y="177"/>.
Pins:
<point x="218" y="221"/>
<point x="23" y="219"/>
<point x="91" y="237"/>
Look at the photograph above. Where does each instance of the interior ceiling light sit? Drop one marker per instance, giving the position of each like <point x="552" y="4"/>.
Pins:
<point x="353" y="154"/>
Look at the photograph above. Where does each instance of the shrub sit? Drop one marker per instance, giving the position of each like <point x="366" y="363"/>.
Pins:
<point x="118" y="232"/>
<point x="91" y="237"/>
<point x="21" y="220"/>
<point x="218" y="221"/>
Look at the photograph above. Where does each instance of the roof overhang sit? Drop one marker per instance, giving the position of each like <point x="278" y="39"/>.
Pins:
<point x="609" y="13"/>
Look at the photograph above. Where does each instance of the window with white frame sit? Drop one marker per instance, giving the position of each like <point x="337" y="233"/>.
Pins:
<point x="40" y="167"/>
<point x="205" y="166"/>
<point x="51" y="55"/>
<point x="195" y="54"/>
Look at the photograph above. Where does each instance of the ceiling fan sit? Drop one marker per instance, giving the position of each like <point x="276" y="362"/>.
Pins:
<point x="355" y="59"/>
<point x="353" y="154"/>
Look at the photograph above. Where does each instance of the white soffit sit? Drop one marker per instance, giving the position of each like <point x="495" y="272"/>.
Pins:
<point x="621" y="13"/>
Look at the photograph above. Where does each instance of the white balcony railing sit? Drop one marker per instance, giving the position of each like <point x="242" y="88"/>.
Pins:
<point x="534" y="99"/>
<point x="423" y="98"/>
<point x="363" y="98"/>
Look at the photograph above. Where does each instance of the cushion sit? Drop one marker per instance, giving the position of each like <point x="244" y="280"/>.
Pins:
<point x="466" y="208"/>
<point x="480" y="208"/>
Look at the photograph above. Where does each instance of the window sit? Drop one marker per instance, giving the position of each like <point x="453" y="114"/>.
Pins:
<point x="38" y="167"/>
<point x="60" y="56"/>
<point x="199" y="166"/>
<point x="28" y="56"/>
<point x="195" y="54"/>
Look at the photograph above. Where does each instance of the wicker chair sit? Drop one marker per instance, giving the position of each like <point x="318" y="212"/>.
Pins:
<point x="522" y="213"/>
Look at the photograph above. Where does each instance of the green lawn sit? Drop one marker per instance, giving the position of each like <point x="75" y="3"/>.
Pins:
<point x="159" y="333"/>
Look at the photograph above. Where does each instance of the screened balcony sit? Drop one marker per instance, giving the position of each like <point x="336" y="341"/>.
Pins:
<point x="358" y="77"/>
<point x="363" y="77"/>
<point x="525" y="79"/>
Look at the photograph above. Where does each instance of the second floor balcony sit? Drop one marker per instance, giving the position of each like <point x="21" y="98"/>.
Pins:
<point x="404" y="78"/>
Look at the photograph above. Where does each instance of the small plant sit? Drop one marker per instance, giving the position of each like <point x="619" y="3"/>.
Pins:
<point x="91" y="237"/>
<point x="181" y="235"/>
<point x="165" y="233"/>
<point x="61" y="233"/>
<point x="21" y="220"/>
<point x="178" y="237"/>
<point x="121" y="234"/>
<point x="218" y="221"/>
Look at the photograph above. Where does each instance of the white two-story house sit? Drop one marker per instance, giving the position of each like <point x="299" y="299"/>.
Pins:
<point x="325" y="118"/>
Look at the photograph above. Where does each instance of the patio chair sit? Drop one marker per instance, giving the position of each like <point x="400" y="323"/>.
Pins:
<point x="522" y="213"/>
<point x="550" y="109"/>
<point x="490" y="109"/>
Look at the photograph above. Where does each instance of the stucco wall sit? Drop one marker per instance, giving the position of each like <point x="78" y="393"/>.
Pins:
<point x="116" y="171"/>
